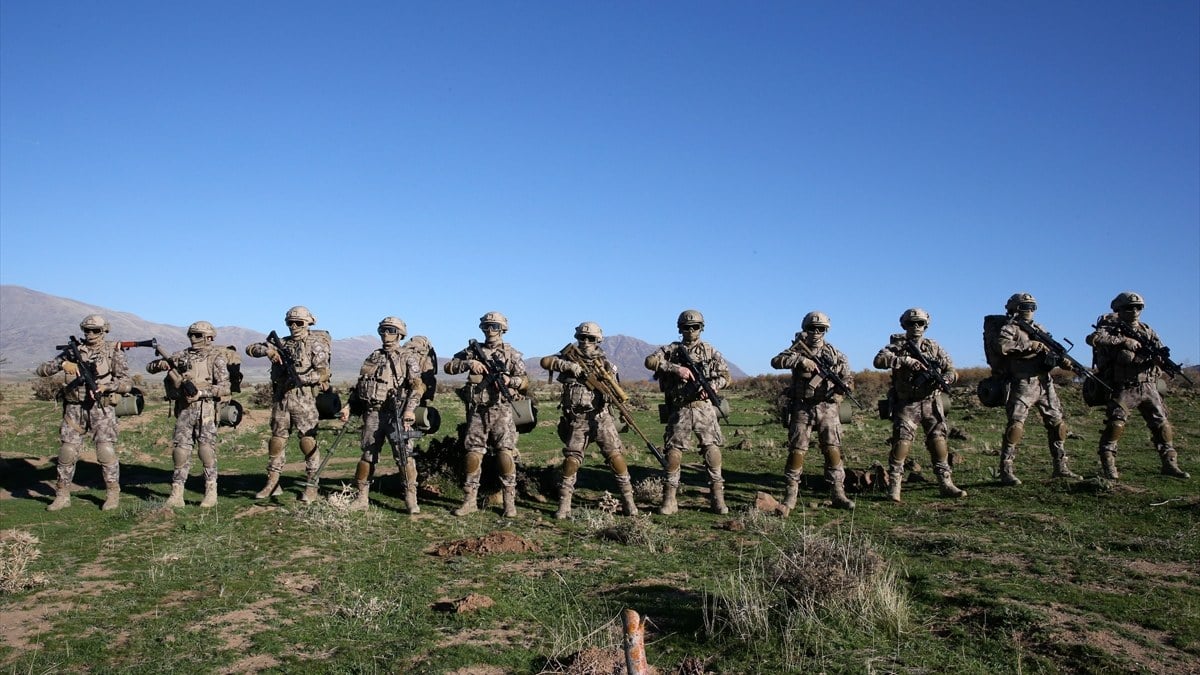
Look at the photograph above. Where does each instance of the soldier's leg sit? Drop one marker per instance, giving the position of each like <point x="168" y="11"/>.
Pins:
<point x="903" y="435"/>
<point x="106" y="455"/>
<point x="1114" y="427"/>
<point x="68" y="457"/>
<point x="312" y="462"/>
<point x="275" y="456"/>
<point x="716" y="482"/>
<point x="669" y="504"/>
<point x="799" y="432"/>
<point x="508" y="480"/>
<point x="182" y="458"/>
<point x="835" y="475"/>
<point x="1056" y="438"/>
<point x="473" y="467"/>
<point x="1161" y="434"/>
<point x="614" y="454"/>
<point x="208" y="459"/>
<point x="1017" y="409"/>
<point x="939" y="452"/>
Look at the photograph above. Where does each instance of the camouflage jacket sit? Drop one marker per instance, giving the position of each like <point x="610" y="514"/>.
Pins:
<point x="809" y="385"/>
<point x="1116" y="358"/>
<point x="511" y="364"/>
<point x="108" y="364"/>
<point x="913" y="383"/>
<point x="667" y="362"/>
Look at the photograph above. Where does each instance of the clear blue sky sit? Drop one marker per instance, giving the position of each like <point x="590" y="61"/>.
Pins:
<point x="607" y="161"/>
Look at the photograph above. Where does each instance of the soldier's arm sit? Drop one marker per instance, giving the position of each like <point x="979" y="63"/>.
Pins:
<point x="720" y="369"/>
<point x="459" y="363"/>
<point x="516" y="369"/>
<point x="50" y="367"/>
<point x="220" y="386"/>
<point x="122" y="382"/>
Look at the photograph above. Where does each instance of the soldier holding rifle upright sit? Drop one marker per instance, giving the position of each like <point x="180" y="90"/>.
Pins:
<point x="921" y="371"/>
<point x="496" y="373"/>
<point x="299" y="368"/>
<point x="585" y="414"/>
<point x="197" y="379"/>
<point x="690" y="372"/>
<point x="1131" y="358"/>
<point x="820" y="379"/>
<point x="388" y="390"/>
<point x="97" y="374"/>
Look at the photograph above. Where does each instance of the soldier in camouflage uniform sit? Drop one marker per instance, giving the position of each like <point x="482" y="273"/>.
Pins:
<point x="915" y="399"/>
<point x="295" y="407"/>
<point x="814" y="404"/>
<point x="1127" y="357"/>
<point x="1028" y="363"/>
<point x="586" y="418"/>
<point x="85" y="414"/>
<point x="692" y="415"/>
<point x="388" y="382"/>
<point x="198" y="378"/>
<point x="489" y="415"/>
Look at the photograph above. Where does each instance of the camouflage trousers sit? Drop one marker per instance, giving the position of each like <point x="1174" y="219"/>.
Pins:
<point x="98" y="421"/>
<point x="196" y="424"/>
<point x="1034" y="392"/>
<point x="376" y="424"/>
<point x="694" y="421"/>
<point x="1143" y="397"/>
<point x="578" y="431"/>
<point x="491" y="425"/>
<point x="821" y="417"/>
<point x="926" y="413"/>
<point x="297" y="409"/>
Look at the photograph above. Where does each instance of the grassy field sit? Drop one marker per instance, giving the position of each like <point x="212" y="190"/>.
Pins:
<point x="1051" y="576"/>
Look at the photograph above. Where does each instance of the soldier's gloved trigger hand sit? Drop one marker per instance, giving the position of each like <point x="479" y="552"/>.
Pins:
<point x="1131" y="344"/>
<point x="70" y="368"/>
<point x="576" y="369"/>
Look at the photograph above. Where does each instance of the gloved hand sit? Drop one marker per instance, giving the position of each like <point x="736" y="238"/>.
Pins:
<point x="70" y="368"/>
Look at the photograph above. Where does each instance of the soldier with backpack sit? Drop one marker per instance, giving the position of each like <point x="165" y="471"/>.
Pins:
<point x="921" y="370"/>
<point x="387" y="393"/>
<point x="1130" y="358"/>
<point x="1025" y="362"/>
<point x="299" y="369"/>
<point x="97" y="374"/>
<point x="198" y="377"/>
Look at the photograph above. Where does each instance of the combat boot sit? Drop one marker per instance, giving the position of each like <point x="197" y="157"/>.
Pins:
<point x="410" y="498"/>
<point x="628" y="506"/>
<point x="362" y="500"/>
<point x="510" y="501"/>
<point x="112" y="496"/>
<point x="210" y="495"/>
<point x="271" y="489"/>
<point x="837" y="495"/>
<point x="791" y="493"/>
<point x="946" y="485"/>
<point x="1058" y="452"/>
<point x="716" y="498"/>
<point x="895" y="481"/>
<point x="668" y="506"/>
<point x="176" y="498"/>
<point x="62" y="496"/>
<point x="1108" y="465"/>
<point x="835" y="475"/>
<point x="1007" y="476"/>
<point x="1170" y="464"/>
<point x="469" y="505"/>
<point x="565" y="493"/>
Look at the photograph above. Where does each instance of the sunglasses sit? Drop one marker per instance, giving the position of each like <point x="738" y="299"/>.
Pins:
<point x="296" y="323"/>
<point x="195" y="335"/>
<point x="389" y="330"/>
<point x="1027" y="306"/>
<point x="692" y="326"/>
<point x="917" y="324"/>
<point x="818" y="329"/>
<point x="93" y="331"/>
<point x="490" y="326"/>
<point x="587" y="338"/>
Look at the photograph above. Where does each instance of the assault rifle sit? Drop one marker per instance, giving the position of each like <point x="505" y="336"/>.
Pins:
<point x="495" y="371"/>
<point x="600" y="380"/>
<point x="179" y="384"/>
<point x="87" y="369"/>
<point x="932" y="373"/>
<point x="400" y="438"/>
<point x="826" y="371"/>
<point x="1159" y="353"/>
<point x="701" y="381"/>
<point x="286" y="358"/>
<point x="1060" y="353"/>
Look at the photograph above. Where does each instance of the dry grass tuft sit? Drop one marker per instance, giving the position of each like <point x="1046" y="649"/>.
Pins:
<point x="17" y="550"/>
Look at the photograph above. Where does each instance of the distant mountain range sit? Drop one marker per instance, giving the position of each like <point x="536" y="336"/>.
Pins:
<point x="32" y="323"/>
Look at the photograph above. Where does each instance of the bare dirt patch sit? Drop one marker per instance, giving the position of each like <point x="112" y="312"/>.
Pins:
<point x="489" y="544"/>
<point x="494" y="638"/>
<point x="236" y="629"/>
<point x="19" y="626"/>
<point x="1156" y="656"/>
<point x="251" y="664"/>
<point x="471" y="602"/>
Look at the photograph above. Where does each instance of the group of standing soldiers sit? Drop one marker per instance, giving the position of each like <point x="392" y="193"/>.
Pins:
<point x="395" y="380"/>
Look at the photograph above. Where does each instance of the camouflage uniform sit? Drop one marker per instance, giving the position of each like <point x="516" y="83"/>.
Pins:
<point x="692" y="415"/>
<point x="203" y="365"/>
<point x="915" y="399"/>
<point x="814" y="406"/>
<point x="585" y="416"/>
<point x="295" y="407"/>
<point x="1120" y="344"/>
<point x="1028" y="363"/>
<point x="388" y="375"/>
<point x="84" y="416"/>
<point x="489" y="415"/>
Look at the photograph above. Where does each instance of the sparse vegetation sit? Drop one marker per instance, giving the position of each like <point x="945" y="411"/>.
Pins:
<point x="1038" y="578"/>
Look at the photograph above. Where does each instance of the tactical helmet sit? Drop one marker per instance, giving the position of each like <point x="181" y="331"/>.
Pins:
<point x="94" y="321"/>
<point x="815" y="319"/>
<point x="1125" y="299"/>
<point x="689" y="316"/>
<point x="394" y="322"/>
<point x="494" y="317"/>
<point x="1018" y="299"/>
<point x="300" y="313"/>
<point x="914" y="314"/>
<point x="203" y="328"/>
<point x="589" y="329"/>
